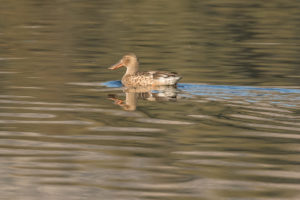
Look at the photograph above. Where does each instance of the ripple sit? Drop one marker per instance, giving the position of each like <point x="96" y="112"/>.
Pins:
<point x="162" y="121"/>
<point x="14" y="96"/>
<point x="11" y="58"/>
<point x="261" y="119"/>
<point x="27" y="87"/>
<point x="231" y="89"/>
<point x="201" y="116"/>
<point x="42" y="103"/>
<point x="77" y="109"/>
<point x="285" y="97"/>
<point x="125" y="129"/>
<point x="273" y="173"/>
<point x="211" y="184"/>
<point x="70" y="122"/>
<point x="31" y="144"/>
<point x="31" y="26"/>
<point x="255" y="107"/>
<point x="267" y="126"/>
<point x="20" y="133"/>
<point x="271" y="134"/>
<point x="104" y="137"/>
<point x="217" y="162"/>
<point x="7" y="72"/>
<point x="272" y="114"/>
<point x="27" y="115"/>
<point x="209" y="153"/>
<point x="250" y="117"/>
<point x="85" y="84"/>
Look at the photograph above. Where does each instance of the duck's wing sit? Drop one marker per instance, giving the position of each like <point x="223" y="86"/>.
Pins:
<point x="165" y="78"/>
<point x="161" y="74"/>
<point x="158" y="74"/>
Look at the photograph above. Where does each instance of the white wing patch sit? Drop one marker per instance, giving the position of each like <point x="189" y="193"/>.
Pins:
<point x="165" y="80"/>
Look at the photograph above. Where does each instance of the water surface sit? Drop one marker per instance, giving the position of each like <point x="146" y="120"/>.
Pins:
<point x="229" y="130"/>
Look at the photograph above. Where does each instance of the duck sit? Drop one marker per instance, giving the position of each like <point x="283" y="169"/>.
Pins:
<point x="134" y="78"/>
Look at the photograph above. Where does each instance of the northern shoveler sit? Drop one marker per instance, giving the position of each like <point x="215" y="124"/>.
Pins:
<point x="134" y="78"/>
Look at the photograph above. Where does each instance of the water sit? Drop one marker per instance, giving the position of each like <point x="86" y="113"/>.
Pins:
<point x="230" y="130"/>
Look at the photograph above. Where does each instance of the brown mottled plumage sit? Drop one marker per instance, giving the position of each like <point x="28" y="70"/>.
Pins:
<point x="133" y="77"/>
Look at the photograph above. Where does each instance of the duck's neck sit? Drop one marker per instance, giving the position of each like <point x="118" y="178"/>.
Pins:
<point x="132" y="69"/>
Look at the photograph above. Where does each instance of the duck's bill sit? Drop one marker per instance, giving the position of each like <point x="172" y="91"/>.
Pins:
<point x="116" y="66"/>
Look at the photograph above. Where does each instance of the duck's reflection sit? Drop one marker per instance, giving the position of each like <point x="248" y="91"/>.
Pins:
<point x="150" y="93"/>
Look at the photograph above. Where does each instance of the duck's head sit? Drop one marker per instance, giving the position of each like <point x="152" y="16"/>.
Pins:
<point x="129" y="60"/>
